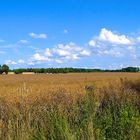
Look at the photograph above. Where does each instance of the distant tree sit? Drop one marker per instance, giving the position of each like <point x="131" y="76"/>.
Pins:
<point x="130" y="69"/>
<point x="5" y="68"/>
<point x="1" y="69"/>
<point x="21" y="70"/>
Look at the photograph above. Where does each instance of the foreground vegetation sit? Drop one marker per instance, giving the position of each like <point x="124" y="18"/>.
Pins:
<point x="110" y="111"/>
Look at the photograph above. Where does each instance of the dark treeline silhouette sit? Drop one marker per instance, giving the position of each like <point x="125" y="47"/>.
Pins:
<point x="72" y="70"/>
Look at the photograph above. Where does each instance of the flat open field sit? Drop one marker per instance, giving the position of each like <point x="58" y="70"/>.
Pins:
<point x="37" y="83"/>
<point x="54" y="81"/>
<point x="76" y="106"/>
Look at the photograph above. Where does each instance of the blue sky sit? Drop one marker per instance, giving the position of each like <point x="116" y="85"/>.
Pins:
<point x="70" y="33"/>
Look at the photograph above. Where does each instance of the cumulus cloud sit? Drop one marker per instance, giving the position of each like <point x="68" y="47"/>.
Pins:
<point x="92" y="43"/>
<point x="60" y="53"/>
<point x="38" y="36"/>
<point x="21" y="61"/>
<point x="62" y="50"/>
<point x="107" y="45"/>
<point x="48" y="52"/>
<point x="109" y="36"/>
<point x="111" y="44"/>
<point x="70" y="51"/>
<point x="38" y="58"/>
<point x="10" y="62"/>
<point x="85" y="52"/>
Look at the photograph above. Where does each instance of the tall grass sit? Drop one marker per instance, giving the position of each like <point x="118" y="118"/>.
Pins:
<point x="110" y="112"/>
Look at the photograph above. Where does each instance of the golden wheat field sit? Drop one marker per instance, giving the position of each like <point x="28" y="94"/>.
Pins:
<point x="13" y="86"/>
<point x="76" y="106"/>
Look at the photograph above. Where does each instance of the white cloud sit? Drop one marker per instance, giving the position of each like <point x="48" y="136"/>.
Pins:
<point x="20" y="61"/>
<point x="75" y="57"/>
<point x="62" y="50"/>
<point x="85" y="52"/>
<point x="106" y="45"/>
<point x="23" y="41"/>
<point x="72" y="57"/>
<point x="111" y="44"/>
<point x="37" y="58"/>
<point x="58" y="61"/>
<point x="92" y="43"/>
<point x="59" y="54"/>
<point x="48" y="52"/>
<point x="38" y="36"/>
<point x="10" y="62"/>
<point x="138" y="39"/>
<point x="109" y="36"/>
<point x="70" y="51"/>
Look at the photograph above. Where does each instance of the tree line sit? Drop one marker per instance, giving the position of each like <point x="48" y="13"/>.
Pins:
<point x="5" y="69"/>
<point x="72" y="70"/>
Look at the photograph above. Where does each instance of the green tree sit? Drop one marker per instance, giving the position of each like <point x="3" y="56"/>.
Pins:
<point x="5" y="68"/>
<point x="1" y="69"/>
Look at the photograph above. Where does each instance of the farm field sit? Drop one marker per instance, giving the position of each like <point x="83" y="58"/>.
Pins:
<point x="69" y="70"/>
<point x="38" y="83"/>
<point x="75" y="106"/>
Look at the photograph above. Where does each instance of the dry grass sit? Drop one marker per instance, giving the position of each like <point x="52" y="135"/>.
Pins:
<point x="67" y="106"/>
<point x="12" y="87"/>
<point x="45" y="82"/>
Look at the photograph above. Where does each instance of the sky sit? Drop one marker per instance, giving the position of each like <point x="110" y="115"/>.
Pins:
<point x="70" y="33"/>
